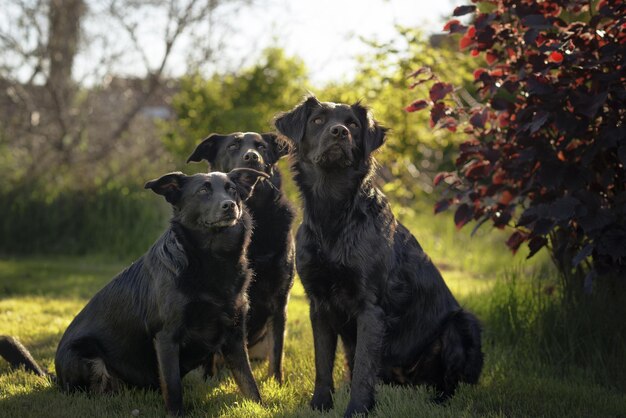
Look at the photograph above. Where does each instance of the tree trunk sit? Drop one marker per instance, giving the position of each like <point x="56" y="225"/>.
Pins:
<point x="63" y="38"/>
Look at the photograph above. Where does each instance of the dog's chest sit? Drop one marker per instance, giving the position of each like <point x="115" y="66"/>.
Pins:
<point x="206" y="321"/>
<point x="332" y="286"/>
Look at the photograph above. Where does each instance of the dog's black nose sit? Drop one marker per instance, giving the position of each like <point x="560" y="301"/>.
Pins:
<point x="339" y="131"/>
<point x="251" y="156"/>
<point x="228" y="204"/>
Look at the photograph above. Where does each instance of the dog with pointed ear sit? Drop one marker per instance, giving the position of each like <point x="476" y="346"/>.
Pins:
<point x="168" y="186"/>
<point x="349" y="247"/>
<point x="312" y="128"/>
<point x="271" y="250"/>
<point x="240" y="150"/>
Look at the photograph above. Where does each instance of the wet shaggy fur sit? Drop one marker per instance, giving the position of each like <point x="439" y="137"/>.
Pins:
<point x="367" y="278"/>
<point x="182" y="301"/>
<point x="271" y="254"/>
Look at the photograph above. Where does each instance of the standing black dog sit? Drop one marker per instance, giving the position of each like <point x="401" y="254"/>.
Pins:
<point x="182" y="301"/>
<point x="271" y="251"/>
<point x="367" y="278"/>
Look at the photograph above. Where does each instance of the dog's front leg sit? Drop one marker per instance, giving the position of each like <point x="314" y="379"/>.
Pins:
<point x="279" y="322"/>
<point x="236" y="357"/>
<point x="325" y="345"/>
<point x="367" y="358"/>
<point x="167" y="351"/>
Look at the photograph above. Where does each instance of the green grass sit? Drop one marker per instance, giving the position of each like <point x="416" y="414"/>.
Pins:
<point x="535" y="363"/>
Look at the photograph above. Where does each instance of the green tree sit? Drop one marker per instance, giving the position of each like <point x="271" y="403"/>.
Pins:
<point x="243" y="101"/>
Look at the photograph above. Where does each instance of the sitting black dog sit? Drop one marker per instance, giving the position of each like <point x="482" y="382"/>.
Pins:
<point x="182" y="301"/>
<point x="367" y="278"/>
<point x="271" y="251"/>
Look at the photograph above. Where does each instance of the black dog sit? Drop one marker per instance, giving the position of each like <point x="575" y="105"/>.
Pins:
<point x="184" y="300"/>
<point x="367" y="278"/>
<point x="271" y="251"/>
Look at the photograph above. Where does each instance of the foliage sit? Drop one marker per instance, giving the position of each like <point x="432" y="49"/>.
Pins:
<point x="112" y="220"/>
<point x="534" y="318"/>
<point x="244" y="101"/>
<point x="547" y="148"/>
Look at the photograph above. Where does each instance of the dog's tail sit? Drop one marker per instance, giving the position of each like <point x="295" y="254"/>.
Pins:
<point x="17" y="355"/>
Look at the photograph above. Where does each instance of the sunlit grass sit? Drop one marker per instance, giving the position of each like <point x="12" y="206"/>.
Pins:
<point x="40" y="296"/>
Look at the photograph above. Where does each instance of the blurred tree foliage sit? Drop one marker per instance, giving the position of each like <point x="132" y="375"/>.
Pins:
<point x="243" y="101"/>
<point x="415" y="151"/>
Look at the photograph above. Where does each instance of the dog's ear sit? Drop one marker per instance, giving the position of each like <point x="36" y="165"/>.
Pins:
<point x="277" y="147"/>
<point x="207" y="149"/>
<point x="245" y="179"/>
<point x="170" y="185"/>
<point x="374" y="134"/>
<point x="292" y="124"/>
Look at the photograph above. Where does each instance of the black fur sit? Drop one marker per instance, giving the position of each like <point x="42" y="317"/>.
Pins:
<point x="367" y="278"/>
<point x="182" y="301"/>
<point x="271" y="251"/>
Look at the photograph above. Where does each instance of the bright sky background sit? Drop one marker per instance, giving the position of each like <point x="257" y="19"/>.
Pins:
<point x="325" y="33"/>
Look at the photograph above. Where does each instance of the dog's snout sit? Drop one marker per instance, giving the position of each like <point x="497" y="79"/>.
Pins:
<point x="339" y="131"/>
<point x="228" y="205"/>
<point x="251" y="156"/>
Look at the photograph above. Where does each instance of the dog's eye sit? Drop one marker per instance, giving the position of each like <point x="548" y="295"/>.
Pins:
<point x="233" y="146"/>
<point x="353" y="125"/>
<point x="318" y="121"/>
<point x="203" y="190"/>
<point x="260" y="146"/>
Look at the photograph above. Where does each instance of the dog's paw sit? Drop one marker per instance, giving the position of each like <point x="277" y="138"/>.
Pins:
<point x="322" y="401"/>
<point x="355" y="408"/>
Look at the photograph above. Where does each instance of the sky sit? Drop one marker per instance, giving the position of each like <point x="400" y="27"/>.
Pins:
<point x="326" y="33"/>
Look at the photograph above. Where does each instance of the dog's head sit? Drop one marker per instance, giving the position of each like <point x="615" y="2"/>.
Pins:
<point x="207" y="201"/>
<point x="240" y="150"/>
<point x="329" y="135"/>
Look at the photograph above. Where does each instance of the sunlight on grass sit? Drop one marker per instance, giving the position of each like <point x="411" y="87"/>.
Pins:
<point x="39" y="297"/>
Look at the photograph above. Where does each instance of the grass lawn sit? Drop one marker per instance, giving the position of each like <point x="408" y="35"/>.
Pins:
<point x="40" y="296"/>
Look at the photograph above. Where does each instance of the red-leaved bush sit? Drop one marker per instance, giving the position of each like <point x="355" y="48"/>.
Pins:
<point x="546" y="147"/>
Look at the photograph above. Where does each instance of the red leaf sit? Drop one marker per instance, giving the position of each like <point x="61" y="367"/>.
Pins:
<point x="416" y="105"/>
<point x="474" y="52"/>
<point x="540" y="40"/>
<point x="515" y="240"/>
<point x="535" y="244"/>
<point x="503" y="119"/>
<point x="440" y="177"/>
<point x="439" y="90"/>
<point x="477" y="170"/>
<point x="471" y="31"/>
<point x="478" y="72"/>
<point x="505" y="197"/>
<point x="449" y="123"/>
<point x="463" y="10"/>
<point x="465" y="41"/>
<point x="451" y="23"/>
<point x="442" y="205"/>
<point x="463" y="215"/>
<point x="479" y="118"/>
<point x="555" y="56"/>
<point x="437" y="112"/>
<point x="491" y="58"/>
